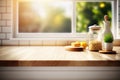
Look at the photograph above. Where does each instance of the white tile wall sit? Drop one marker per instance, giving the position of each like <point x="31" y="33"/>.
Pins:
<point x="49" y="42"/>
<point x="5" y="29"/>
<point x="6" y="16"/>
<point x="2" y="9"/>
<point x="8" y="9"/>
<point x="2" y="2"/>
<point x="2" y="36"/>
<point x="10" y="42"/>
<point x="0" y="42"/>
<point x="70" y="41"/>
<point x="61" y="43"/>
<point x="0" y="29"/>
<point x="2" y="23"/>
<point x="8" y="23"/>
<point x="36" y="42"/>
<point x="9" y="3"/>
<point x="8" y="35"/>
<point x="0" y="16"/>
<point x="24" y="42"/>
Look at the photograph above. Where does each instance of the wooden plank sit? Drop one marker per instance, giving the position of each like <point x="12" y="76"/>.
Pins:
<point x="55" y="56"/>
<point x="4" y="63"/>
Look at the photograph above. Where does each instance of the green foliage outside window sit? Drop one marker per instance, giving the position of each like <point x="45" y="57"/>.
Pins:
<point x="90" y="13"/>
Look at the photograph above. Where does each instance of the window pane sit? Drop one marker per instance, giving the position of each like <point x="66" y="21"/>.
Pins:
<point x="90" y="13"/>
<point x="45" y="16"/>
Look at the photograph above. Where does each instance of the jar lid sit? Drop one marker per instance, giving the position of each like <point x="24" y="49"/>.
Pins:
<point x="94" y="27"/>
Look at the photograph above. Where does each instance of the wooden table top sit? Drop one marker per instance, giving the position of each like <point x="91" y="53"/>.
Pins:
<point x="55" y="56"/>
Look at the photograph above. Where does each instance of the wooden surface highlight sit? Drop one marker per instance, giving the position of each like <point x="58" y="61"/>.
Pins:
<point x="55" y="56"/>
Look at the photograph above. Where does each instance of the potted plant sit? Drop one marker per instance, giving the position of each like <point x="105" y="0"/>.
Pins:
<point x="108" y="39"/>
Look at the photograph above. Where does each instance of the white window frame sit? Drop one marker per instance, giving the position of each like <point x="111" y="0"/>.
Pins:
<point x="73" y="33"/>
<point x="118" y="20"/>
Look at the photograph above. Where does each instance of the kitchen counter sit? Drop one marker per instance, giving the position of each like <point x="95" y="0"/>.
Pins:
<point x="55" y="56"/>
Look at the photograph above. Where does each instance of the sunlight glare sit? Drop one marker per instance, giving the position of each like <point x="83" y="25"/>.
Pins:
<point x="58" y="20"/>
<point x="39" y="8"/>
<point x="66" y="5"/>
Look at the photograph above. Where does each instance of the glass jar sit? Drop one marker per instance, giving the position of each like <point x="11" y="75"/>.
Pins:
<point x="94" y="43"/>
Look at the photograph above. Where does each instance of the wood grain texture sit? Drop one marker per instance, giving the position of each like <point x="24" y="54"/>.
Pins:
<point x="55" y="56"/>
<point x="107" y="52"/>
<point x="71" y="48"/>
<point x="4" y="63"/>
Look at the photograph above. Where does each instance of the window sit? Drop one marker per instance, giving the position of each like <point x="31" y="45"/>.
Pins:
<point x="45" y="16"/>
<point x="59" y="18"/>
<point x="90" y="13"/>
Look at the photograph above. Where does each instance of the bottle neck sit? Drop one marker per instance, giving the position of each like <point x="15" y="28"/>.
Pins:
<point x="107" y="26"/>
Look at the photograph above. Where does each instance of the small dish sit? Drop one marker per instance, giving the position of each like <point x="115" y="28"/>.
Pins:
<point x="71" y="48"/>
